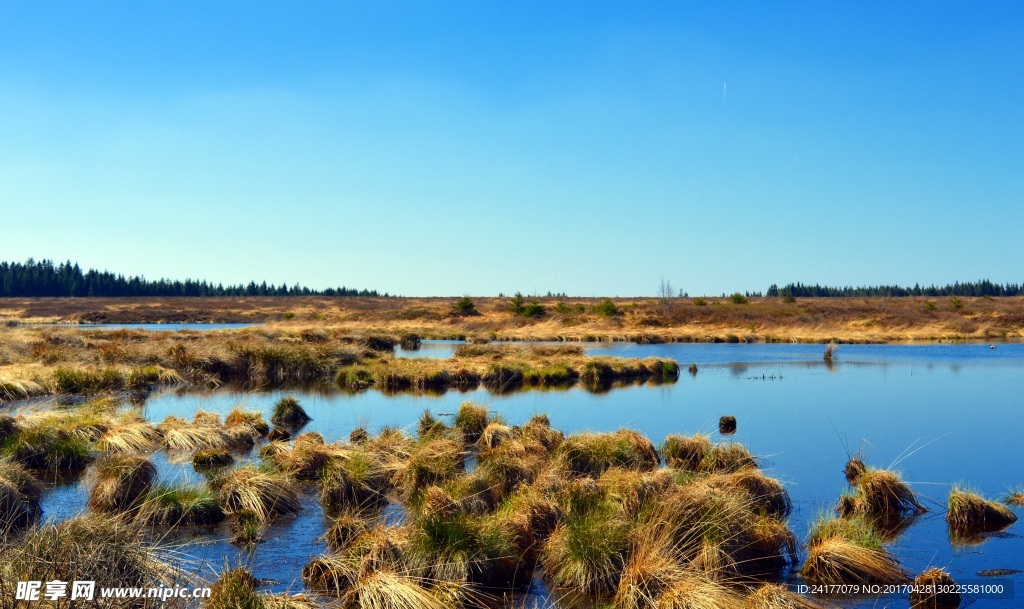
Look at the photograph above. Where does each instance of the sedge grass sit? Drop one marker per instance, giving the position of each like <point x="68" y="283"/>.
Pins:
<point x="970" y="514"/>
<point x="263" y="494"/>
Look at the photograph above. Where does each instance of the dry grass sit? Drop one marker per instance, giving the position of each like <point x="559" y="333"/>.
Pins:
<point x="263" y="494"/>
<point x="185" y="437"/>
<point x="120" y="482"/>
<point x="970" y="514"/>
<point x="131" y="438"/>
<point x="110" y="550"/>
<point x="835" y="560"/>
<point x="174" y="505"/>
<point x="775" y="596"/>
<point x="20" y="495"/>
<point x="879" y="493"/>
<point x="590" y="454"/>
<point x="682" y="319"/>
<point x="929" y="594"/>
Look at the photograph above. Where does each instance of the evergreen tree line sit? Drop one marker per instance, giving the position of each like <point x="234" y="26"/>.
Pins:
<point x="44" y="278"/>
<point x="975" y="288"/>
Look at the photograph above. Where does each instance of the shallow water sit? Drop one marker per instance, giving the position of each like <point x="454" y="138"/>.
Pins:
<point x="940" y="413"/>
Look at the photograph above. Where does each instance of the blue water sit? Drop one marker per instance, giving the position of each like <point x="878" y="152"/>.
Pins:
<point x="939" y="413"/>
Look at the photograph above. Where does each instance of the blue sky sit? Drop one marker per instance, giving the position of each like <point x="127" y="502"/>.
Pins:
<point x="451" y="148"/>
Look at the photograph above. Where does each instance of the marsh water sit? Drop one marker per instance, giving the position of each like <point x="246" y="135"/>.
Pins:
<point x="939" y="413"/>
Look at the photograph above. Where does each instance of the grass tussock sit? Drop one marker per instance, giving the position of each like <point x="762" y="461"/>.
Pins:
<point x="120" y="483"/>
<point x="970" y="514"/>
<point x="174" y="505"/>
<point x="849" y="551"/>
<point x="835" y="560"/>
<point x="591" y="454"/>
<point x="188" y="437"/>
<point x="110" y="550"/>
<point x="20" y="495"/>
<point x="136" y="437"/>
<point x="360" y="479"/>
<point x="776" y="596"/>
<point x="212" y="458"/>
<point x="471" y="420"/>
<point x="236" y="589"/>
<point x="934" y="589"/>
<point x="879" y="492"/>
<point x="263" y="494"/>
<point x="288" y="413"/>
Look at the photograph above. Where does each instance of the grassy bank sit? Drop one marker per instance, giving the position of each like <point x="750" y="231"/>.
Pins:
<point x="78" y="361"/>
<point x="627" y="319"/>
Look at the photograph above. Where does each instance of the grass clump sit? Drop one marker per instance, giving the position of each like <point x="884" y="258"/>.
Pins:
<point x="970" y="514"/>
<point x="345" y="528"/>
<point x="934" y="589"/>
<point x="471" y="419"/>
<point x="835" y="560"/>
<point x="590" y="454"/>
<point x="777" y="596"/>
<point x="587" y="551"/>
<point x="110" y="550"/>
<point x="247" y="420"/>
<point x="263" y="494"/>
<point x="121" y="482"/>
<point x="212" y="458"/>
<point x="187" y="437"/>
<point x="848" y="551"/>
<point x="132" y="437"/>
<point x="174" y="505"/>
<point x="432" y="462"/>
<point x="358" y="480"/>
<point x="20" y="495"/>
<point x="879" y="492"/>
<point x="288" y="413"/>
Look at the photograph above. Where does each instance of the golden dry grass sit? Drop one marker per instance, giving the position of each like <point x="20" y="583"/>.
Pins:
<point x="263" y="494"/>
<point x="835" y="560"/>
<point x="807" y="320"/>
<point x="934" y="589"/>
<point x="970" y="514"/>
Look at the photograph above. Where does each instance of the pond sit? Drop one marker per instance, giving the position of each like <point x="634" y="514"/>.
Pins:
<point x="941" y="414"/>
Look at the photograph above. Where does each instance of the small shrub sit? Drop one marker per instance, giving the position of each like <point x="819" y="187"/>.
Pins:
<point x="533" y="308"/>
<point x="607" y="308"/>
<point x="465" y="307"/>
<point x="955" y="303"/>
<point x="700" y="302"/>
<point x="738" y="298"/>
<point x="516" y="304"/>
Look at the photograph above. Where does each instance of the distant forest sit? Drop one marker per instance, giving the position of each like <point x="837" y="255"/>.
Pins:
<point x="976" y="288"/>
<point x="44" y="278"/>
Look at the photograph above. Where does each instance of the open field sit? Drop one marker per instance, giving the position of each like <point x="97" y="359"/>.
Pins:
<point x="633" y="319"/>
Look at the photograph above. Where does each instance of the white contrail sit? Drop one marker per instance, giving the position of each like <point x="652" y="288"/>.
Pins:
<point x="724" y="85"/>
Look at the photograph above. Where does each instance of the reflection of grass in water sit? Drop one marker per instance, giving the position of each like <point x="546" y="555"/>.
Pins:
<point x="969" y="515"/>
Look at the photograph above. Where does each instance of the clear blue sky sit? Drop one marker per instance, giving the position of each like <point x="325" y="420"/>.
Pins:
<point x="477" y="147"/>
